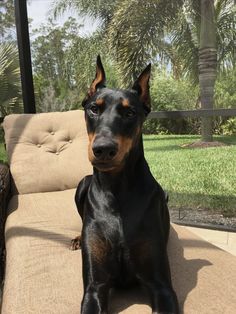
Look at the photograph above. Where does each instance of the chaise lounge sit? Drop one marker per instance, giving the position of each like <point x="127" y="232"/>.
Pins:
<point x="47" y="156"/>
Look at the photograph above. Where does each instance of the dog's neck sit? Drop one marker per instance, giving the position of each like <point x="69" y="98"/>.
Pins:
<point x="134" y="164"/>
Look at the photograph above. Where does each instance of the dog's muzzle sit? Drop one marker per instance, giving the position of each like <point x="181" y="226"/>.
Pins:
<point x="104" y="149"/>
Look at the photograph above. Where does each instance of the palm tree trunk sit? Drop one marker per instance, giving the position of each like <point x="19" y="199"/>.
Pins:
<point x="207" y="65"/>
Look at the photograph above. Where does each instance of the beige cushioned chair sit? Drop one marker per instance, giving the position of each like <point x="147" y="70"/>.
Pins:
<point x="48" y="157"/>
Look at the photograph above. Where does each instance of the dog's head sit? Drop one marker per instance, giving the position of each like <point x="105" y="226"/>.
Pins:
<point x="114" y="119"/>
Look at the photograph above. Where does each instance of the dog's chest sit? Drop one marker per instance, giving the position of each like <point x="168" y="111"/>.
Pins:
<point x="125" y="214"/>
<point x="117" y="226"/>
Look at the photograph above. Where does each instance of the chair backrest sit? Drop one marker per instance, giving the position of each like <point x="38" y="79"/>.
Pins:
<point x="46" y="151"/>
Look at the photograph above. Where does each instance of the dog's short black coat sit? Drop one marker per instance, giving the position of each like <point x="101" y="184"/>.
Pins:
<point x="123" y="208"/>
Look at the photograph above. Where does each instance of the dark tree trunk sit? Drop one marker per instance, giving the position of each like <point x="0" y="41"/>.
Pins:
<point x="207" y="65"/>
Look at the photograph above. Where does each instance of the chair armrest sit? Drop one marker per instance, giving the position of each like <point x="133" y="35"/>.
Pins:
<point x="4" y="198"/>
<point x="4" y="189"/>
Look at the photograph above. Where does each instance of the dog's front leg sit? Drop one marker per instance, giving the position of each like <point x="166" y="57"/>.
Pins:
<point x="162" y="296"/>
<point x="163" y="299"/>
<point x="152" y="266"/>
<point x="95" y="299"/>
<point x="97" y="267"/>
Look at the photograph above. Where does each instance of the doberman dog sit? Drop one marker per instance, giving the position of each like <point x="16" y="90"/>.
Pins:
<point x="123" y="209"/>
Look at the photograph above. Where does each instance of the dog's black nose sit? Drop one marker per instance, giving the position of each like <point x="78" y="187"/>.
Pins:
<point x="104" y="150"/>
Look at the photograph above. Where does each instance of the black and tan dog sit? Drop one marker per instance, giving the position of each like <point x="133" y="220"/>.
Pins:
<point x="124" y="211"/>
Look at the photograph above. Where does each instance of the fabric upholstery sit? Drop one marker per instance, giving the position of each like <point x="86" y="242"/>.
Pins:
<point x="44" y="276"/>
<point x="47" y="151"/>
<point x="48" y="157"/>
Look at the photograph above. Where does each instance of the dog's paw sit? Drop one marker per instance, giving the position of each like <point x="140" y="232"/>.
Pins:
<point x="76" y="243"/>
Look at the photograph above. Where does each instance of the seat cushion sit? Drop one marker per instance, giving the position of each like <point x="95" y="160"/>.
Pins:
<point x="44" y="276"/>
<point x="47" y="151"/>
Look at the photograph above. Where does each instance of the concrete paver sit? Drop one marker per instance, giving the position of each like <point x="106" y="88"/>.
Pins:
<point x="222" y="239"/>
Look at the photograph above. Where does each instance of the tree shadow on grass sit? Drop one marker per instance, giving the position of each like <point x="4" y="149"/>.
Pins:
<point x="228" y="140"/>
<point x="179" y="147"/>
<point x="149" y="138"/>
<point x="213" y="204"/>
<point x="166" y="148"/>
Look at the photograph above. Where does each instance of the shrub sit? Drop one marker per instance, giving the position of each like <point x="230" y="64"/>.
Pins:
<point x="229" y="128"/>
<point x="225" y="96"/>
<point x="170" y="94"/>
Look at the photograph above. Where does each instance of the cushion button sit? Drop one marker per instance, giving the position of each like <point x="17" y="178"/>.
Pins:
<point x="52" y="133"/>
<point x="39" y="145"/>
<point x="57" y="153"/>
<point x="70" y="141"/>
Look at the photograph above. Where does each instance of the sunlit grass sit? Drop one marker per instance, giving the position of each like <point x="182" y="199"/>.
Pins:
<point x="194" y="177"/>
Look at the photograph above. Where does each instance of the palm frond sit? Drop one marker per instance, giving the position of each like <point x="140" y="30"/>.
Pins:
<point x="226" y="33"/>
<point x="9" y="79"/>
<point x="95" y="8"/>
<point x="137" y="32"/>
<point x="185" y="43"/>
<point x="59" y="7"/>
<point x="153" y="30"/>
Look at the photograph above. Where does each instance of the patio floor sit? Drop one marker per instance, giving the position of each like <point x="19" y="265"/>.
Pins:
<point x="222" y="239"/>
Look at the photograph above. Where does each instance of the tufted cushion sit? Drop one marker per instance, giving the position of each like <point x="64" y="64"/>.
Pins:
<point x="47" y="151"/>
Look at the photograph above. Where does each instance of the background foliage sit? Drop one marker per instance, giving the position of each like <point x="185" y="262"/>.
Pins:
<point x="132" y="33"/>
<point x="163" y="32"/>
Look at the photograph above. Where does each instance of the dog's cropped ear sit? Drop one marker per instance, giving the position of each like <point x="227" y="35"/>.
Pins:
<point x="100" y="78"/>
<point x="98" y="82"/>
<point x="141" y="85"/>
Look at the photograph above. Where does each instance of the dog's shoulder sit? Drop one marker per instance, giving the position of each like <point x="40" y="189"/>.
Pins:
<point x="153" y="185"/>
<point x="82" y="190"/>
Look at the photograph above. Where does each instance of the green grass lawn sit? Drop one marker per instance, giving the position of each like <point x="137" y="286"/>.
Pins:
<point x="203" y="178"/>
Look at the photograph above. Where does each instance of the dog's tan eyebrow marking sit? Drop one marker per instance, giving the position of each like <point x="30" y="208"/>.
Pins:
<point x="125" y="102"/>
<point x="100" y="101"/>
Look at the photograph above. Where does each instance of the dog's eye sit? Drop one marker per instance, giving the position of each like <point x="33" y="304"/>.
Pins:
<point x="130" y="113"/>
<point x="94" y="109"/>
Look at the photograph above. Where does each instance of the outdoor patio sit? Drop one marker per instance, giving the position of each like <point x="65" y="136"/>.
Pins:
<point x="43" y="149"/>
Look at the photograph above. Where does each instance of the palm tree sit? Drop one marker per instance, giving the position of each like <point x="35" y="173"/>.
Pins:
<point x="10" y="87"/>
<point x="185" y="37"/>
<point x="176" y="31"/>
<point x="210" y="35"/>
<point x="207" y="64"/>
